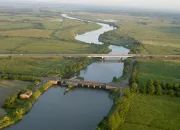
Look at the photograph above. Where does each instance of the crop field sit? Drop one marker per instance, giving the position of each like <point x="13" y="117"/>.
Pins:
<point x="7" y="88"/>
<point x="38" y="66"/>
<point x="162" y="70"/>
<point x="27" y="33"/>
<point x="43" y="34"/>
<point x="150" y="112"/>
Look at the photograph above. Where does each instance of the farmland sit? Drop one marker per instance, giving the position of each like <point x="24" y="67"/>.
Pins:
<point x="158" y="34"/>
<point x="43" y="34"/>
<point x="162" y="70"/>
<point x="150" y="112"/>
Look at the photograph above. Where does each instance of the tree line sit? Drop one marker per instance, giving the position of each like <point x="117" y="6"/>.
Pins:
<point x="154" y="87"/>
<point x="20" y="77"/>
<point x="118" y="111"/>
<point x="159" y="88"/>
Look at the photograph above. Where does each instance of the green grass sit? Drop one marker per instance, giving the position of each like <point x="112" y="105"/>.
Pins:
<point x="41" y="45"/>
<point x="167" y="71"/>
<point x="37" y="66"/>
<point x="150" y="112"/>
<point x="30" y="34"/>
<point x="27" y="33"/>
<point x="7" y="88"/>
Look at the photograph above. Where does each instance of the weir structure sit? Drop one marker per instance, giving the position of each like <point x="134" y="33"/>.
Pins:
<point x="83" y="84"/>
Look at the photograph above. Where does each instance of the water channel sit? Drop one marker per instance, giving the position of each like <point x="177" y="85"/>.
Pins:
<point x="80" y="109"/>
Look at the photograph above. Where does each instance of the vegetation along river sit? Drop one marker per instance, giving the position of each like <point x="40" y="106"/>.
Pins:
<point x="80" y="109"/>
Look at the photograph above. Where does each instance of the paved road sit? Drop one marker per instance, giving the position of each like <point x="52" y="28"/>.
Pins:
<point x="89" y="55"/>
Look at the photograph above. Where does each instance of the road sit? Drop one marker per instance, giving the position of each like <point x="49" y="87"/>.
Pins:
<point x="90" y="55"/>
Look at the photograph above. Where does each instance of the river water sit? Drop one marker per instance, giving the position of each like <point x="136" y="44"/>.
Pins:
<point x="80" y="109"/>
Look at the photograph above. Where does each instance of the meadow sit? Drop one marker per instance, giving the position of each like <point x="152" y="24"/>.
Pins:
<point x="39" y="66"/>
<point x="150" y="112"/>
<point x="158" y="34"/>
<point x="158" y="69"/>
<point x="43" y="34"/>
<point x="7" y="88"/>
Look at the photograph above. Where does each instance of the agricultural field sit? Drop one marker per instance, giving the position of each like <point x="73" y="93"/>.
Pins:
<point x="41" y="45"/>
<point x="150" y="112"/>
<point x="7" y="88"/>
<point x="157" y="69"/>
<point x="159" y="35"/>
<point x="43" y="34"/>
<point x="38" y="66"/>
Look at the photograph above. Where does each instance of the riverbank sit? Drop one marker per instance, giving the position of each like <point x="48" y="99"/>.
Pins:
<point x="68" y="69"/>
<point x="19" y="107"/>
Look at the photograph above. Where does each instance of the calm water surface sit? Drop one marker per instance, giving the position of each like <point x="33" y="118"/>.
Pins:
<point x="80" y="109"/>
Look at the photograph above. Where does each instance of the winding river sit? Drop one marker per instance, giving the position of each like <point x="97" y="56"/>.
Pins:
<point x="80" y="109"/>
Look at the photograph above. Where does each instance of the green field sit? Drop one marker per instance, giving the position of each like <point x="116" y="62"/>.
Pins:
<point x="7" y="88"/>
<point x="40" y="45"/>
<point x="159" y="35"/>
<point x="150" y="112"/>
<point x="43" y="34"/>
<point x="162" y="70"/>
<point x="38" y="66"/>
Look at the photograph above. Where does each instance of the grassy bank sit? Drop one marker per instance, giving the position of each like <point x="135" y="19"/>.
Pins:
<point x="21" y="107"/>
<point x="126" y="71"/>
<point x="118" y="111"/>
<point x="150" y="112"/>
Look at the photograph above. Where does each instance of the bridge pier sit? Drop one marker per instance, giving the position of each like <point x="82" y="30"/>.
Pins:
<point x="103" y="59"/>
<point x="100" y="87"/>
<point x="94" y="86"/>
<point x="121" y="59"/>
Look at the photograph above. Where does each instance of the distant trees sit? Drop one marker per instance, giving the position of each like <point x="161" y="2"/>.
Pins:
<point x="114" y="79"/>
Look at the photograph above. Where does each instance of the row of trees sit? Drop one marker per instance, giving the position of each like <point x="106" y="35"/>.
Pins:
<point x="19" y="77"/>
<point x="126" y="69"/>
<point x="118" y="111"/>
<point x="69" y="69"/>
<point x="155" y="87"/>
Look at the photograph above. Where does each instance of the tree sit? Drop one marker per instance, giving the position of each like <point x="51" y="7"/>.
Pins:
<point x="156" y="83"/>
<point x="175" y="86"/>
<point x="171" y="92"/>
<point x="158" y="90"/>
<point x="163" y="86"/>
<point x="114" y="79"/>
<point x="169" y="86"/>
<point x="150" y="87"/>
<point x="143" y="89"/>
<point x="133" y="87"/>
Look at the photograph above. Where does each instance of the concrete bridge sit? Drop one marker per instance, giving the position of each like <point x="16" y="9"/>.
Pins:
<point x="89" y="55"/>
<point x="83" y="84"/>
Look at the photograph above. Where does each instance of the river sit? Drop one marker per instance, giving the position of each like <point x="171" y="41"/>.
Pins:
<point x="80" y="109"/>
